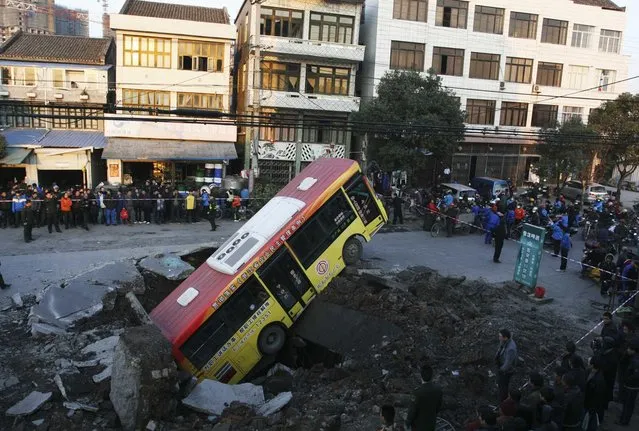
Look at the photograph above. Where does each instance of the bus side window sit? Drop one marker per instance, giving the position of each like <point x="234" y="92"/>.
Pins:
<point x="224" y="322"/>
<point x="284" y="278"/>
<point x="362" y="200"/>
<point x="318" y="233"/>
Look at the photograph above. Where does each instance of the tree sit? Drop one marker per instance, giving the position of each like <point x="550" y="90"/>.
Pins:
<point x="412" y="118"/>
<point x="3" y="146"/>
<point x="567" y="151"/>
<point x="618" y="123"/>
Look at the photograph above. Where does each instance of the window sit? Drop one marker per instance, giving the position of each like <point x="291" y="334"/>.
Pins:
<point x="451" y="13"/>
<point x="582" y="35"/>
<point x="202" y="56"/>
<point x="323" y="134"/>
<point x="327" y="80"/>
<point x="407" y="56"/>
<point x="513" y="114"/>
<point x="280" y="76"/>
<point x="544" y="115"/>
<point x="145" y="99"/>
<point x="410" y="10"/>
<point x="523" y="25"/>
<point x="281" y="22"/>
<point x="577" y="77"/>
<point x="484" y="66"/>
<point x="23" y="76"/>
<point x="519" y="70"/>
<point x="609" y="41"/>
<point x="362" y="199"/>
<point x="606" y="79"/>
<point x="58" y="78"/>
<point x="572" y="112"/>
<point x="549" y="74"/>
<point x="75" y="78"/>
<point x="284" y="278"/>
<point x="480" y="111"/>
<point x="554" y="31"/>
<point x="448" y="61"/>
<point x="226" y="321"/>
<point x="15" y="116"/>
<point x="319" y="232"/>
<point x="200" y="101"/>
<point x="284" y="132"/>
<point x="331" y="28"/>
<point x="147" y="52"/>
<point x="489" y="20"/>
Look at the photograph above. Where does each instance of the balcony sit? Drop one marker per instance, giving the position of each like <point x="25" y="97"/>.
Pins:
<point x="286" y="151"/>
<point x="312" y="49"/>
<point x="309" y="102"/>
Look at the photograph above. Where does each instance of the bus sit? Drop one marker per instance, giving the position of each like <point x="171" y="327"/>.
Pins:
<point x="236" y="308"/>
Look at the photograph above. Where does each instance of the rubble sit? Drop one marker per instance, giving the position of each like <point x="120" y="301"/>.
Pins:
<point x="30" y="404"/>
<point x="17" y="300"/>
<point x="213" y="397"/>
<point x="170" y="266"/>
<point x="276" y="404"/>
<point x="144" y="377"/>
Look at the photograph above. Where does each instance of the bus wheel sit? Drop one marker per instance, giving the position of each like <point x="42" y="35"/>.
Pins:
<point x="352" y="251"/>
<point x="271" y="339"/>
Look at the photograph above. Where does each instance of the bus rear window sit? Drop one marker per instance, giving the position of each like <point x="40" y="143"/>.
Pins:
<point x="224" y="322"/>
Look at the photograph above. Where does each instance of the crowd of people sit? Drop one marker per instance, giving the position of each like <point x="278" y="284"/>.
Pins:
<point x="33" y="206"/>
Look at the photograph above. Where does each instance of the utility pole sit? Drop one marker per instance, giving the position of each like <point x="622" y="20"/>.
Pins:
<point x="251" y="158"/>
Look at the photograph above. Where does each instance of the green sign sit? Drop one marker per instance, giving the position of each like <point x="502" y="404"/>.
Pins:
<point x="529" y="258"/>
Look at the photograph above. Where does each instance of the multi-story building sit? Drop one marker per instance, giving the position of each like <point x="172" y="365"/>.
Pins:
<point x="71" y="22"/>
<point x="516" y="66"/>
<point x="170" y="57"/>
<point x="297" y="64"/>
<point x="66" y="78"/>
<point x="30" y="16"/>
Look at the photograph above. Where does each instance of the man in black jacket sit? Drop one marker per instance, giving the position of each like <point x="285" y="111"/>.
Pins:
<point x="51" y="212"/>
<point x="28" y="217"/>
<point x="505" y="359"/>
<point x="427" y="402"/>
<point x="573" y="414"/>
<point x="499" y="233"/>
<point x="630" y="383"/>
<point x="595" y="397"/>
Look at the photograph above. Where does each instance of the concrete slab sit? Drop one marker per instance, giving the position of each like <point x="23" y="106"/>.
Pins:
<point x="30" y="404"/>
<point x="323" y="323"/>
<point x="169" y="266"/>
<point x="213" y="397"/>
<point x="275" y="404"/>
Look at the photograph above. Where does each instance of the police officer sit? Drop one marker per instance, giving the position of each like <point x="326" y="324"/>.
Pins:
<point x="28" y="221"/>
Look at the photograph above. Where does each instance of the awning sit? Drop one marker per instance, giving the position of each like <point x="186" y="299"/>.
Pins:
<point x="15" y="156"/>
<point x="167" y="150"/>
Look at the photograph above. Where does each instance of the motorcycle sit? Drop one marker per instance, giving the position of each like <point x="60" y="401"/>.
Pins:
<point x="594" y="254"/>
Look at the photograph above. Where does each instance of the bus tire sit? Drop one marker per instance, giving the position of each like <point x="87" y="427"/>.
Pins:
<point x="352" y="251"/>
<point x="271" y="340"/>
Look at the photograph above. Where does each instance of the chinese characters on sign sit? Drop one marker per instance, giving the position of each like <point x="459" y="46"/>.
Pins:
<point x="529" y="258"/>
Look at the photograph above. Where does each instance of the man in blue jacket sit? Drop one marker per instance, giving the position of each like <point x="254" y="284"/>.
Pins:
<point x="491" y="224"/>
<point x="17" y="206"/>
<point x="557" y="235"/>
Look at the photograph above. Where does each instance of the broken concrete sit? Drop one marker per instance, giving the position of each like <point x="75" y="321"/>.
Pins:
<point x="275" y="404"/>
<point x="213" y="397"/>
<point x="43" y="329"/>
<point x="105" y="374"/>
<point x="102" y="350"/>
<point x="8" y="382"/>
<point x="80" y="406"/>
<point x="17" y="300"/>
<point x="138" y="310"/>
<point x="169" y="266"/>
<point x="30" y="404"/>
<point x="144" y="379"/>
<point x="124" y="276"/>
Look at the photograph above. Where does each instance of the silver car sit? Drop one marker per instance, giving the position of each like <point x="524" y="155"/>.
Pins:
<point x="592" y="192"/>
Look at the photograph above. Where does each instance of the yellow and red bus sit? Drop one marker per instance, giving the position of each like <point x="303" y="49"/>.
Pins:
<point x="236" y="308"/>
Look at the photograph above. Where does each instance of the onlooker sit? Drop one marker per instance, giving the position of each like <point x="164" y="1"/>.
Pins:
<point x="65" y="210"/>
<point x="427" y="402"/>
<point x="565" y="246"/>
<point x="630" y="383"/>
<point x="596" y="400"/>
<point x="51" y="212"/>
<point x="28" y="221"/>
<point x="17" y="206"/>
<point x="499" y="232"/>
<point x="190" y="207"/>
<point x="397" y="209"/>
<point x="505" y="359"/>
<point x="110" y="203"/>
<point x="574" y="408"/>
<point x="387" y="416"/>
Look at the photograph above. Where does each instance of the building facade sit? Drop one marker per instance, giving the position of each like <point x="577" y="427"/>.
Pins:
<point x="170" y="57"/>
<point x="29" y="16"/>
<point x="297" y="61"/>
<point x="65" y="77"/>
<point x="516" y="66"/>
<point x="71" y="22"/>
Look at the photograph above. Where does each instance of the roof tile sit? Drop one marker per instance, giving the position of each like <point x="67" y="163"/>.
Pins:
<point x="56" y="49"/>
<point x="175" y="11"/>
<point x="606" y="4"/>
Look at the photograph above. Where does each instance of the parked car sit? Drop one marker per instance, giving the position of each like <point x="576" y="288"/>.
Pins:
<point x="459" y="191"/>
<point x="572" y="190"/>
<point x="489" y="188"/>
<point x="629" y="185"/>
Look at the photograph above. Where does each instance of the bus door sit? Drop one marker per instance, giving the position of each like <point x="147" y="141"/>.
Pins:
<point x="287" y="282"/>
<point x="363" y="200"/>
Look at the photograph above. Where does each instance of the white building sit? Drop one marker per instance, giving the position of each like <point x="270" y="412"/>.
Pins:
<point x="170" y="57"/>
<point x="297" y="64"/>
<point x="514" y="65"/>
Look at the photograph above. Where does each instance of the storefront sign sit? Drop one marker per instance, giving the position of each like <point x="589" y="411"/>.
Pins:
<point x="529" y="258"/>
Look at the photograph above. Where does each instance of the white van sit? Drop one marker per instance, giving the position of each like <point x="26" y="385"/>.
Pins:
<point x="459" y="191"/>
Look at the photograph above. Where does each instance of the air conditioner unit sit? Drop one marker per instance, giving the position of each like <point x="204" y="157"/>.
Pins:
<point x="31" y="95"/>
<point x="536" y="89"/>
<point x="502" y="85"/>
<point x="58" y="96"/>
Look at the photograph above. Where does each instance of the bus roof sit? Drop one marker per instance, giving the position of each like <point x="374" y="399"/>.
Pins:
<point x="186" y="308"/>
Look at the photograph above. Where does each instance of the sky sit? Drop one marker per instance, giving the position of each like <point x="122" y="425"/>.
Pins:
<point x="630" y="42"/>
